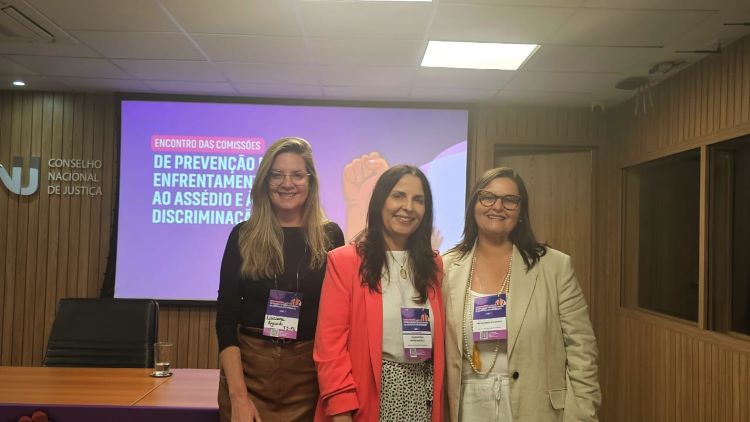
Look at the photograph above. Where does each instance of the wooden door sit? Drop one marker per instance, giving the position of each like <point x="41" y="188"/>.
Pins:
<point x="560" y="185"/>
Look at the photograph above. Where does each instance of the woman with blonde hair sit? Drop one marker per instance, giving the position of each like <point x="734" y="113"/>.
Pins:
<point x="271" y="276"/>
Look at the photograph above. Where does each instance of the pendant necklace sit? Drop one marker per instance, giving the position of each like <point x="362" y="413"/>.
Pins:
<point x="475" y="360"/>
<point x="402" y="270"/>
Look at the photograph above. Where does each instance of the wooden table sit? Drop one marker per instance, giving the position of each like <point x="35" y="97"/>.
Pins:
<point x="120" y="393"/>
<point x="195" y="388"/>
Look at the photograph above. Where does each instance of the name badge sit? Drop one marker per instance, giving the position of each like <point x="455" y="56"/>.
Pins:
<point x="490" y="322"/>
<point x="282" y="314"/>
<point x="415" y="327"/>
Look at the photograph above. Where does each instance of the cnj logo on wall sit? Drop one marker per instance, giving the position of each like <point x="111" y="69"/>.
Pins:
<point x="12" y="181"/>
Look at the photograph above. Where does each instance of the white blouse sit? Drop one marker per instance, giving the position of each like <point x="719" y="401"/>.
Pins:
<point x="486" y="348"/>
<point x="398" y="293"/>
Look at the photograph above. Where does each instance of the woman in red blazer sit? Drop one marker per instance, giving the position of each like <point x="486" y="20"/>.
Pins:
<point x="377" y="357"/>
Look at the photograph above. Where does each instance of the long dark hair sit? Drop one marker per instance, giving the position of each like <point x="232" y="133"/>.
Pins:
<point x="522" y="235"/>
<point x="371" y="242"/>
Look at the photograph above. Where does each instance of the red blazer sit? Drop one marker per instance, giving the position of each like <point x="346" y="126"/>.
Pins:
<point x="349" y="342"/>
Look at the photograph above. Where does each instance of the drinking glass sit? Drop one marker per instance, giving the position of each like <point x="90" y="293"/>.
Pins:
<point x="162" y="359"/>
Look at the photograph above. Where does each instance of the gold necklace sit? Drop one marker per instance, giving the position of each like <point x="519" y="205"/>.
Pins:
<point x="402" y="271"/>
<point x="475" y="360"/>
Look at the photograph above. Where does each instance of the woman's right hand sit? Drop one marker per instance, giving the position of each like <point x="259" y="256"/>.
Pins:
<point x="244" y="410"/>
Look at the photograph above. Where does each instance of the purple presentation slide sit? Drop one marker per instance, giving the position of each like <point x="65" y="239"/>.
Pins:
<point x="186" y="169"/>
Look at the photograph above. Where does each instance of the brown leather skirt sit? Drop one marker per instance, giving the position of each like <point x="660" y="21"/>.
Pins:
<point x="280" y="377"/>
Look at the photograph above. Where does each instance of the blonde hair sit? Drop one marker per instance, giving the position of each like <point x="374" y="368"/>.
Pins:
<point x="261" y="238"/>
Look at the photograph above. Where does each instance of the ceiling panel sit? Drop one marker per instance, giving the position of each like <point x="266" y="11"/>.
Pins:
<point x="373" y="76"/>
<point x="280" y="91"/>
<point x="71" y="66"/>
<point x="659" y="4"/>
<point x="184" y="87"/>
<point x="366" y="19"/>
<point x="178" y="70"/>
<point x="106" y="15"/>
<point x="104" y="85"/>
<point x="551" y="58"/>
<point x="562" y="82"/>
<point x="62" y="48"/>
<point x="251" y="49"/>
<point x="349" y="49"/>
<point x="712" y="32"/>
<point x="10" y="68"/>
<point x="140" y="45"/>
<point x="366" y="92"/>
<point x="366" y="51"/>
<point x="484" y="23"/>
<point x="550" y="98"/>
<point x="551" y="3"/>
<point x="462" y="78"/>
<point x="239" y="17"/>
<point x="604" y="27"/>
<point x="423" y="93"/>
<point x="269" y="73"/>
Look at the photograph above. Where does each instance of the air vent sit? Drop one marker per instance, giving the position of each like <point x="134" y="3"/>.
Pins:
<point x="16" y="26"/>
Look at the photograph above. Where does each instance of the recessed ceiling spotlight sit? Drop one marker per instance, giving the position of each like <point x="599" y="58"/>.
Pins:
<point x="19" y="83"/>
<point x="477" y="55"/>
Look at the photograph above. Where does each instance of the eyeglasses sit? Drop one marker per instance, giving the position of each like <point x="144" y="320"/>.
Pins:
<point x="298" y="178"/>
<point x="488" y="199"/>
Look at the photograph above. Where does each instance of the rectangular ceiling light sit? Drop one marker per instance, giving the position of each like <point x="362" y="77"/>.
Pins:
<point x="477" y="55"/>
<point x="359" y="1"/>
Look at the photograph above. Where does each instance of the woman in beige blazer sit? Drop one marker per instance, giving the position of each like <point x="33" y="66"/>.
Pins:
<point x="535" y="354"/>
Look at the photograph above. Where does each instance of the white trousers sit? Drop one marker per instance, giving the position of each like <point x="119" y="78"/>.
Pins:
<point x="485" y="398"/>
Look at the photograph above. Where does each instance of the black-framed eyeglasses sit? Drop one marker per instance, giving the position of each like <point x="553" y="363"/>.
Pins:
<point x="488" y="199"/>
<point x="298" y="178"/>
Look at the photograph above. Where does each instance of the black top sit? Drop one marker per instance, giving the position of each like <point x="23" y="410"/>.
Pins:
<point x="243" y="301"/>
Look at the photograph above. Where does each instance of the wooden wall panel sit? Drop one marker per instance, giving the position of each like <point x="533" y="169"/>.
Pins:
<point x="529" y="126"/>
<point x="54" y="246"/>
<point x="705" y="103"/>
<point x="5" y="223"/>
<point x="673" y="375"/>
<point x="654" y="368"/>
<point x="192" y="331"/>
<point x="48" y="241"/>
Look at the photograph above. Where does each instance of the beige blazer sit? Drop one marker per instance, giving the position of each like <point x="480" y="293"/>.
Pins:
<point x="548" y="325"/>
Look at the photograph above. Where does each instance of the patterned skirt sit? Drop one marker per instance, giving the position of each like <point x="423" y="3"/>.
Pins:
<point x="406" y="394"/>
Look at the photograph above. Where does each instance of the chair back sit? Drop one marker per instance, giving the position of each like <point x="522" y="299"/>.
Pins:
<point x="103" y="333"/>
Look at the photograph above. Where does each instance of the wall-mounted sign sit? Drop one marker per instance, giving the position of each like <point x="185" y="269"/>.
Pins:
<point x="12" y="181"/>
<point x="74" y="176"/>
